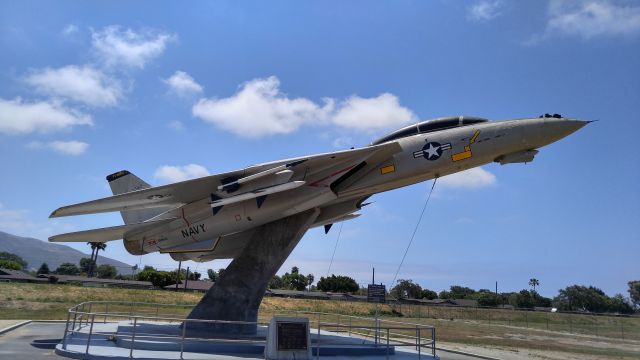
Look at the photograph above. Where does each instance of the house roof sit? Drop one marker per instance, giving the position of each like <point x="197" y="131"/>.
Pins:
<point x="199" y="285"/>
<point x="9" y="274"/>
<point x="84" y="279"/>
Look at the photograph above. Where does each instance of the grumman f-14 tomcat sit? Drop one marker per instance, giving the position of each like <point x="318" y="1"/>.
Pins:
<point x="214" y="216"/>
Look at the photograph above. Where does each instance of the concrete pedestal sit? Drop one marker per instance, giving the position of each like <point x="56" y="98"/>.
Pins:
<point x="237" y="294"/>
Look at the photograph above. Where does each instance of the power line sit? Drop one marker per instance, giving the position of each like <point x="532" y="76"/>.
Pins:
<point x="334" y="248"/>
<point x="415" y="230"/>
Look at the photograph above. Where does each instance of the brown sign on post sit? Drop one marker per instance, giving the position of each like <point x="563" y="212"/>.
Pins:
<point x="376" y="293"/>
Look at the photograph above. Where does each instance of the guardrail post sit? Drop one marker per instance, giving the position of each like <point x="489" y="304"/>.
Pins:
<point x="66" y="328"/>
<point x="387" y="343"/>
<point x="133" y="337"/>
<point x="318" y="340"/>
<point x="433" y="341"/>
<point x="90" y="307"/>
<point x="75" y="316"/>
<point x="93" y="317"/>
<point x="419" y="342"/>
<point x="184" y="331"/>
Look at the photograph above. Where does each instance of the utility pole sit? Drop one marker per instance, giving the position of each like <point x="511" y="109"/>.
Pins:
<point x="186" y="279"/>
<point x="178" y="274"/>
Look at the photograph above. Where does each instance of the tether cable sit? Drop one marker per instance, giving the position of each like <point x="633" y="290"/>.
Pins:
<point x="334" y="248"/>
<point x="415" y="230"/>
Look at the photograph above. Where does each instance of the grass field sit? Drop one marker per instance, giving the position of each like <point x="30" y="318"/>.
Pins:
<point x="584" y="336"/>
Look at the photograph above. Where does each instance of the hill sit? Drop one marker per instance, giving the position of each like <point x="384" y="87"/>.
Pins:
<point x="35" y="252"/>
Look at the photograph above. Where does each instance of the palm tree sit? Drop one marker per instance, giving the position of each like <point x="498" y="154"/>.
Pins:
<point x="534" y="282"/>
<point x="95" y="247"/>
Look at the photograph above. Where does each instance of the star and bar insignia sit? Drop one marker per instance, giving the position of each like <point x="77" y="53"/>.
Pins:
<point x="432" y="150"/>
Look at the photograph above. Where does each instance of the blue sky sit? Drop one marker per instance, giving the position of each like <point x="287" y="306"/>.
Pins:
<point x="173" y="91"/>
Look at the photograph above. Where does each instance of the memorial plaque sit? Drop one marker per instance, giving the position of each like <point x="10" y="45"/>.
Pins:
<point x="292" y="336"/>
<point x="376" y="293"/>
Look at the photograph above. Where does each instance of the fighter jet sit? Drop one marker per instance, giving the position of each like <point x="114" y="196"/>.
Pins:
<point x="213" y="217"/>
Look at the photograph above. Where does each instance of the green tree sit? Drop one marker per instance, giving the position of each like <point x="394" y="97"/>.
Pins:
<point x="294" y="281"/>
<point x="618" y="304"/>
<point x="338" y="283"/>
<point x="581" y="298"/>
<point x="295" y="270"/>
<point x="11" y="265"/>
<point x="428" y="294"/>
<point x="534" y="282"/>
<point x="524" y="299"/>
<point x="276" y="282"/>
<point x="634" y="292"/>
<point x="44" y="269"/>
<point x="310" y="279"/>
<point x="486" y="297"/>
<point x="106" y="271"/>
<point x="406" y="289"/>
<point x="157" y="278"/>
<point x="87" y="265"/>
<point x="13" y="257"/>
<point x="68" y="269"/>
<point x="213" y="276"/>
<point x="457" y="292"/>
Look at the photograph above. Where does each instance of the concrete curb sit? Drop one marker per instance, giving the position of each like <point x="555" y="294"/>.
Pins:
<point x="467" y="354"/>
<point x="13" y="327"/>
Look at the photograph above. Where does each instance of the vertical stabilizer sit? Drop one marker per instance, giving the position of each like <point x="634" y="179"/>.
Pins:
<point x="124" y="182"/>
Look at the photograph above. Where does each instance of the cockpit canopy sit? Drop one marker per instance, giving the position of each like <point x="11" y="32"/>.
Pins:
<point x="430" y="126"/>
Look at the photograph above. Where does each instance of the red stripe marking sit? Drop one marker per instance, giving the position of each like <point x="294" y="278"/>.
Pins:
<point x="316" y="183"/>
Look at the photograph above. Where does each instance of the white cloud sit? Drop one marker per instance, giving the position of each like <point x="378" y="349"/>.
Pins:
<point x="259" y="108"/>
<point x="116" y="45"/>
<point x="183" y="84"/>
<point x="484" y="10"/>
<point x="72" y="147"/>
<point x="590" y="18"/>
<point x="69" y="30"/>
<point x="469" y="179"/>
<point x="180" y="173"/>
<point x="379" y="112"/>
<point x="19" y="117"/>
<point x="79" y="83"/>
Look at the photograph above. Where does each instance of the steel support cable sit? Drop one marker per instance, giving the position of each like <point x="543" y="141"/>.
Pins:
<point x="415" y="230"/>
<point x="335" y="247"/>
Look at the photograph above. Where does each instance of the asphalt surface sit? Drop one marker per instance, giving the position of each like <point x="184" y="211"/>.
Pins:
<point x="36" y="341"/>
<point x="17" y="344"/>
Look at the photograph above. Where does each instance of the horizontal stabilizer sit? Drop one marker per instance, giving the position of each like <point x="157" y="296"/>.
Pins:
<point x="105" y="234"/>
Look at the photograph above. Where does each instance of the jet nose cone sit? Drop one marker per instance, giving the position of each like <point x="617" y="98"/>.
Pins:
<point x="559" y="128"/>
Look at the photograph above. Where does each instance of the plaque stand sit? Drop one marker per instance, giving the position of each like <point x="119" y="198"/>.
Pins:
<point x="288" y="338"/>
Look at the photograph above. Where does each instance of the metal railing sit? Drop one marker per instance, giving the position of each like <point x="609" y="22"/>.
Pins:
<point x="375" y="333"/>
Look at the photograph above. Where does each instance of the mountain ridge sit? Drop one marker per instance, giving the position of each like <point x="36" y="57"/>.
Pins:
<point x="35" y="252"/>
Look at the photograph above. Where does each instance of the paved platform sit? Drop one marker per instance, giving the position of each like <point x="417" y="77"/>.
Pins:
<point x="37" y="341"/>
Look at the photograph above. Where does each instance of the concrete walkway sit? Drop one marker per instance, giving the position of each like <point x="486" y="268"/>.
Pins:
<point x="37" y="341"/>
